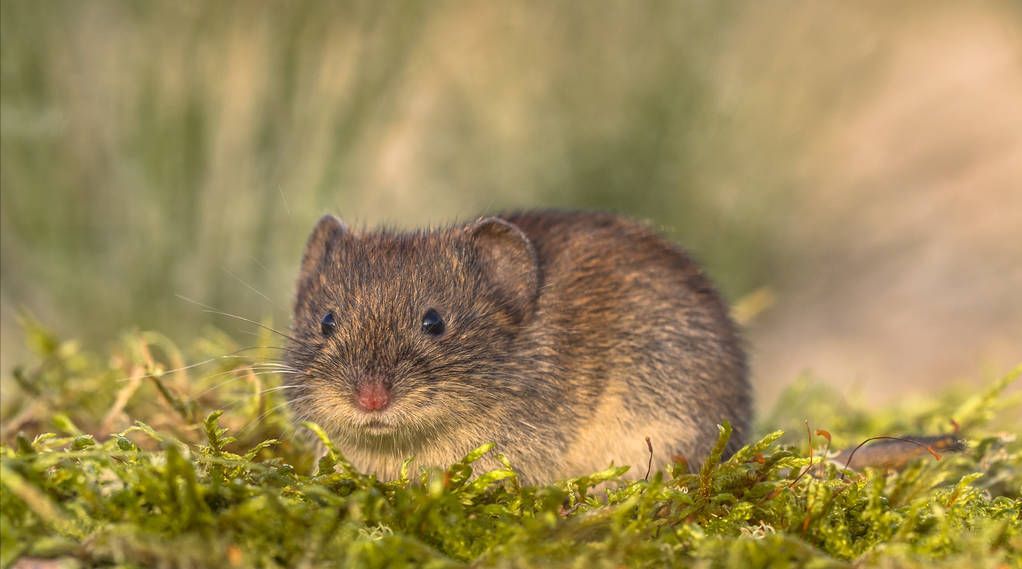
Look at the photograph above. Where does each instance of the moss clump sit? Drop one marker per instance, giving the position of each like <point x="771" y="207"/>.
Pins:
<point x="117" y="461"/>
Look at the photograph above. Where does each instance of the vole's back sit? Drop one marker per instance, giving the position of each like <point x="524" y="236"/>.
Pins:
<point x="634" y="342"/>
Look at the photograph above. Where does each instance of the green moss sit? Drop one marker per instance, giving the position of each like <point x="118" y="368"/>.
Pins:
<point x="134" y="459"/>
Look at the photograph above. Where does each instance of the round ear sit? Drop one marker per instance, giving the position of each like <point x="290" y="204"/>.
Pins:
<point x="508" y="258"/>
<point x="321" y="241"/>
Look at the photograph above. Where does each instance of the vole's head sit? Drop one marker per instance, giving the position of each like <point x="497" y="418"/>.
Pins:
<point x="399" y="336"/>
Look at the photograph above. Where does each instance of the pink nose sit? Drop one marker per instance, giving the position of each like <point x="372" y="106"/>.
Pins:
<point x="373" y="396"/>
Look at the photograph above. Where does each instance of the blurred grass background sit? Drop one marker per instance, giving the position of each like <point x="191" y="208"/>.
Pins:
<point x="862" y="162"/>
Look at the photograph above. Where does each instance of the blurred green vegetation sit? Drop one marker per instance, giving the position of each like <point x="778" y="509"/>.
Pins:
<point x="151" y="150"/>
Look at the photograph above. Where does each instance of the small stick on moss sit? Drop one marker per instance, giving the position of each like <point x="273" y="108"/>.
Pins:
<point x="649" y="465"/>
<point x="851" y="455"/>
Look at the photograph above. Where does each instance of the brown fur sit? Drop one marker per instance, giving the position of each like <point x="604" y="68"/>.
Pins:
<point x="570" y="337"/>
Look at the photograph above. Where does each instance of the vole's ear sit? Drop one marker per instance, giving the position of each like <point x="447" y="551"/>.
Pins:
<point x="321" y="242"/>
<point x="510" y="263"/>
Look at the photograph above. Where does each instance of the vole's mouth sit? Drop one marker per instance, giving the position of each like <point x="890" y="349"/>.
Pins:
<point x="376" y="426"/>
<point x="376" y="423"/>
<point x="392" y="431"/>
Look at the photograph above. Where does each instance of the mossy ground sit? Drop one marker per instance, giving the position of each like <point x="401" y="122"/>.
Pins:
<point x="135" y="459"/>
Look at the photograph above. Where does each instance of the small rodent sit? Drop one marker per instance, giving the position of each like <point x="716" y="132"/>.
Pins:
<point x="566" y="338"/>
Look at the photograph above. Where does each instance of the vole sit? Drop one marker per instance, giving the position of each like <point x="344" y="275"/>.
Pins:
<point x="566" y="338"/>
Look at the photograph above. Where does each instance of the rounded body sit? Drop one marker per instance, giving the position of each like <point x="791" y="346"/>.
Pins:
<point x="566" y="338"/>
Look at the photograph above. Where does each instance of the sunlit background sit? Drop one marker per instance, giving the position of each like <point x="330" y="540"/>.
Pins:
<point x="849" y="172"/>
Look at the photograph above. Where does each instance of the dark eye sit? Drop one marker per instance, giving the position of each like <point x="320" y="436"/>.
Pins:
<point x="328" y="324"/>
<point x="432" y="323"/>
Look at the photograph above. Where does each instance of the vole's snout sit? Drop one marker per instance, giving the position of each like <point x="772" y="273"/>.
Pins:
<point x="373" y="393"/>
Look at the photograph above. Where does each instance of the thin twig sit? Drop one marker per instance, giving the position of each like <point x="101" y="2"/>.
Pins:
<point x="649" y="465"/>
